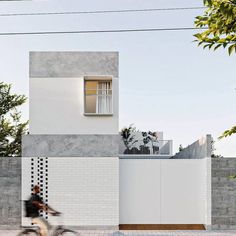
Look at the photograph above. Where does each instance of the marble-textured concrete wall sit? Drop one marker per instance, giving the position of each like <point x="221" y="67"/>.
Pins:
<point x="70" y="145"/>
<point x="199" y="149"/>
<point x="10" y="192"/>
<point x="73" y="64"/>
<point x="223" y="193"/>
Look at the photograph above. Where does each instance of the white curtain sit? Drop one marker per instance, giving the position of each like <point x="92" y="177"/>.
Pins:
<point x="104" y="98"/>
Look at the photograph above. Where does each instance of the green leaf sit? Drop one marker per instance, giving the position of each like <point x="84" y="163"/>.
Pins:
<point x="232" y="177"/>
<point x="221" y="40"/>
<point x="228" y="132"/>
<point x="217" y="46"/>
<point x="219" y="18"/>
<point x="207" y="2"/>
<point x="225" y="44"/>
<point x="205" y="46"/>
<point x="198" y="36"/>
<point x="200" y="43"/>
<point x="211" y="45"/>
<point x="231" y="49"/>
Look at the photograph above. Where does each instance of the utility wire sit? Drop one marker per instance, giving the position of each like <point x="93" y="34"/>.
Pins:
<point x="99" y="31"/>
<point x="102" y="12"/>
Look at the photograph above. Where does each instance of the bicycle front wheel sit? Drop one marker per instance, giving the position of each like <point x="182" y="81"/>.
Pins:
<point x="28" y="232"/>
<point x="68" y="232"/>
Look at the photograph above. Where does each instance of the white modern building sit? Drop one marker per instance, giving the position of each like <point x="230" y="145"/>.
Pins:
<point x="75" y="153"/>
<point x="72" y="146"/>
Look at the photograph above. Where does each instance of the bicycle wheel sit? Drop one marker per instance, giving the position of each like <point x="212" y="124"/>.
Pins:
<point x="28" y="232"/>
<point x="68" y="232"/>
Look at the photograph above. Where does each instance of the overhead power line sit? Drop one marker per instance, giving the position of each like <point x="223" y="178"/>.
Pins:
<point x="98" y="31"/>
<point x="102" y="11"/>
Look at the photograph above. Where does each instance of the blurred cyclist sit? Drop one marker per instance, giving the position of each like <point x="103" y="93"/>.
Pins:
<point x="36" y="203"/>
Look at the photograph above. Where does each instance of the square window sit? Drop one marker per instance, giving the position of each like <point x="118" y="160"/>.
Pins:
<point x="97" y="96"/>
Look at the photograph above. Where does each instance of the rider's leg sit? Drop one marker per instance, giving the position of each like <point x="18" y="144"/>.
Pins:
<point x="43" y="227"/>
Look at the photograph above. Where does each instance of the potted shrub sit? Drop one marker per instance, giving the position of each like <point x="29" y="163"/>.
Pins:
<point x="128" y="138"/>
<point x="135" y="150"/>
<point x="144" y="149"/>
<point x="153" y="138"/>
<point x="147" y="138"/>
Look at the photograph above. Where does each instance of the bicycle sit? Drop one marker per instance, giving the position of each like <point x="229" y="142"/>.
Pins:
<point x="57" y="231"/>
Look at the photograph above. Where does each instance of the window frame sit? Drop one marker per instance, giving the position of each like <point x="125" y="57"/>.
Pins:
<point x="105" y="78"/>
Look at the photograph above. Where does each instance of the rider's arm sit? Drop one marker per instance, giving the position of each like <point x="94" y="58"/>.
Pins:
<point x="38" y="204"/>
<point x="49" y="209"/>
<point x="44" y="207"/>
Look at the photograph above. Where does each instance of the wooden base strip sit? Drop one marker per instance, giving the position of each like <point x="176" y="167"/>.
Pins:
<point x="161" y="227"/>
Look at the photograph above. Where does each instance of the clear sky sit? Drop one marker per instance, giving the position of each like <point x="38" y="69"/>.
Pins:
<point x="167" y="83"/>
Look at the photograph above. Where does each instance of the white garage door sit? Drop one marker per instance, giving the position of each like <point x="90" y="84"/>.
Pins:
<point x="169" y="191"/>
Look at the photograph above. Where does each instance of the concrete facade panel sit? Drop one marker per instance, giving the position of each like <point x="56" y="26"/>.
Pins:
<point x="72" y="64"/>
<point x="70" y="145"/>
<point x="10" y="189"/>
<point x="197" y="150"/>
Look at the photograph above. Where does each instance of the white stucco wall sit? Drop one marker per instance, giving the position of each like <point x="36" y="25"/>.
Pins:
<point x="57" y="107"/>
<point x="140" y="191"/>
<point x="208" y="193"/>
<point x="163" y="191"/>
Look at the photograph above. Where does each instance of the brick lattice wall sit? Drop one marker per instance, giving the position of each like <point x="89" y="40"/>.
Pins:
<point x="223" y="193"/>
<point x="10" y="190"/>
<point x="84" y="189"/>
